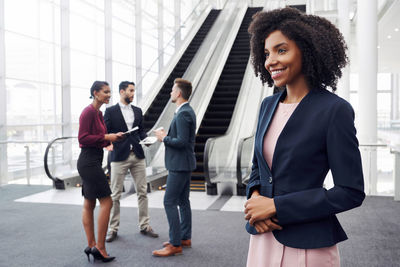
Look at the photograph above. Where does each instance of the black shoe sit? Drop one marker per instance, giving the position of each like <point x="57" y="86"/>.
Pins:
<point x="111" y="236"/>
<point x="149" y="231"/>
<point x="98" y="256"/>
<point x="88" y="251"/>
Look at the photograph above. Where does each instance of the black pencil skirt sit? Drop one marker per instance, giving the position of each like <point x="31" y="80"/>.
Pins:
<point x="94" y="180"/>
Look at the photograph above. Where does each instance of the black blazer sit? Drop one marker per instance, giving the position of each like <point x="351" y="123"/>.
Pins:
<point x="115" y="123"/>
<point x="319" y="136"/>
<point x="179" y="143"/>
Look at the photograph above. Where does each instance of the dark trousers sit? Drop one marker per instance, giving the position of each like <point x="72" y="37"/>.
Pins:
<point x="177" y="194"/>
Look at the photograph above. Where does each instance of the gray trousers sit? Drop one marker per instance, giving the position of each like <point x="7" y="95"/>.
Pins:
<point x="119" y="170"/>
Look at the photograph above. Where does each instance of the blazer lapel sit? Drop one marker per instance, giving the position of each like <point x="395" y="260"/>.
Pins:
<point x="269" y="114"/>
<point x="136" y="118"/>
<point x="298" y="109"/>
<point x="121" y="117"/>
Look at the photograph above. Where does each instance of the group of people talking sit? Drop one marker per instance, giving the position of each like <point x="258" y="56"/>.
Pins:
<point x="303" y="131"/>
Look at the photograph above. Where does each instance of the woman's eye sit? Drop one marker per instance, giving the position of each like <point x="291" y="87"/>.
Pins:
<point x="266" y="55"/>
<point x="281" y="50"/>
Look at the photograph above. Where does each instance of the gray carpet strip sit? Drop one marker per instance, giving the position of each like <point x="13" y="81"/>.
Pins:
<point x="34" y="234"/>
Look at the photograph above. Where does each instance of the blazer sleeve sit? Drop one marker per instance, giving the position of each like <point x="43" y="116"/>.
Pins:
<point x="107" y="120"/>
<point x="142" y="133"/>
<point x="345" y="164"/>
<point x="254" y="181"/>
<point x="183" y="122"/>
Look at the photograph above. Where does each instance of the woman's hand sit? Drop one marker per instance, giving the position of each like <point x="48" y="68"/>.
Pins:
<point x="114" y="136"/>
<point x="259" y="208"/>
<point x="110" y="147"/>
<point x="265" y="226"/>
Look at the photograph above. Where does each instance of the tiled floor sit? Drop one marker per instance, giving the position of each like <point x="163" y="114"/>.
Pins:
<point x="72" y="196"/>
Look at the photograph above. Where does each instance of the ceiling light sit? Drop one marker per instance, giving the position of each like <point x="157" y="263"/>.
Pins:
<point x="378" y="46"/>
<point x="396" y="29"/>
<point x="389" y="37"/>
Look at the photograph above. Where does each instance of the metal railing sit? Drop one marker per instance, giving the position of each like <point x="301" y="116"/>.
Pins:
<point x="58" y="183"/>
<point x="28" y="170"/>
<point x="243" y="160"/>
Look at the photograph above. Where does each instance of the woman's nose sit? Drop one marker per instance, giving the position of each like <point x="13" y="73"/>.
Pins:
<point x="270" y="61"/>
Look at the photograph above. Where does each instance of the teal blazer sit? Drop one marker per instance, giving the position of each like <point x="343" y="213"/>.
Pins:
<point x="318" y="137"/>
<point x="179" y="143"/>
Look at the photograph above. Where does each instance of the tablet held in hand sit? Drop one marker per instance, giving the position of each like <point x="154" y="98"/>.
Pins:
<point x="132" y="130"/>
<point x="148" y="140"/>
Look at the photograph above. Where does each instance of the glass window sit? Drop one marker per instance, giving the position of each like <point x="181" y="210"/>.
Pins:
<point x="121" y="72"/>
<point x="85" y="69"/>
<point x="26" y="9"/>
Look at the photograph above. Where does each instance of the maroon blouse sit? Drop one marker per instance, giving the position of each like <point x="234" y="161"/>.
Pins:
<point x="92" y="128"/>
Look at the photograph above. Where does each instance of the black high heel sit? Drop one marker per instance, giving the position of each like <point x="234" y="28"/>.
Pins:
<point x="88" y="251"/>
<point x="98" y="256"/>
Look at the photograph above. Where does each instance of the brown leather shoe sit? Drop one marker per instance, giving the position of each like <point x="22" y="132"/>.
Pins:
<point x="167" y="251"/>
<point x="184" y="243"/>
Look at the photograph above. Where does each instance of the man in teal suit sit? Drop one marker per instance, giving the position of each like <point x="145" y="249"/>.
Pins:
<point x="180" y="161"/>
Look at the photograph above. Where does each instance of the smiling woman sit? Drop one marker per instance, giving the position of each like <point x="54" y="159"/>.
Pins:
<point x="283" y="59"/>
<point x="92" y="138"/>
<point x="321" y="44"/>
<point x="303" y="132"/>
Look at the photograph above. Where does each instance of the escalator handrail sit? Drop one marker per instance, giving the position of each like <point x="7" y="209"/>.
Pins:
<point x="239" y="160"/>
<point x="207" y="150"/>
<point x="195" y="73"/>
<point x="46" y="166"/>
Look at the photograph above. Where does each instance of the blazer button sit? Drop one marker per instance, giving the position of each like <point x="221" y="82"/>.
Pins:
<point x="270" y="180"/>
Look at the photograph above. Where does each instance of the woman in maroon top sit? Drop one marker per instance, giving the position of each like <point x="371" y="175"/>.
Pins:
<point x="93" y="138"/>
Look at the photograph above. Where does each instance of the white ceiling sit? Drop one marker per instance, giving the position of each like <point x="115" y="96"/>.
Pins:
<point x="388" y="48"/>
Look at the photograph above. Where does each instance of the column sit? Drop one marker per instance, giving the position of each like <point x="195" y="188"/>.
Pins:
<point x="108" y="46"/>
<point x="138" y="45"/>
<point x="3" y="101"/>
<point x="394" y="114"/>
<point x="367" y="65"/>
<point x="66" y="80"/>
<point x="344" y="26"/>
<point x="177" y="15"/>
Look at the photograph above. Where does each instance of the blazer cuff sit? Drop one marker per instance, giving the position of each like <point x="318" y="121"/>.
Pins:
<point x="251" y="187"/>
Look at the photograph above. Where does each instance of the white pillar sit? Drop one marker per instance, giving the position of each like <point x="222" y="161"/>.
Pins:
<point x="177" y="28"/>
<point x="344" y="26"/>
<point x="160" y="23"/>
<point x="138" y="44"/>
<point x="3" y="101"/>
<point x="367" y="66"/>
<point x="394" y="114"/>
<point x="108" y="46"/>
<point x="66" y="80"/>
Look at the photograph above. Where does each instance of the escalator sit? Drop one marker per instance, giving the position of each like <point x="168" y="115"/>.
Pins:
<point x="157" y="106"/>
<point x="218" y="115"/>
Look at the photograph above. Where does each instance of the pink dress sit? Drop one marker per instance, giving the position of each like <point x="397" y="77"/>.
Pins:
<point x="264" y="249"/>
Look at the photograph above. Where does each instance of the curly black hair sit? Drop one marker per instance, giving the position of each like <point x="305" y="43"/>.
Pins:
<point x="322" y="45"/>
